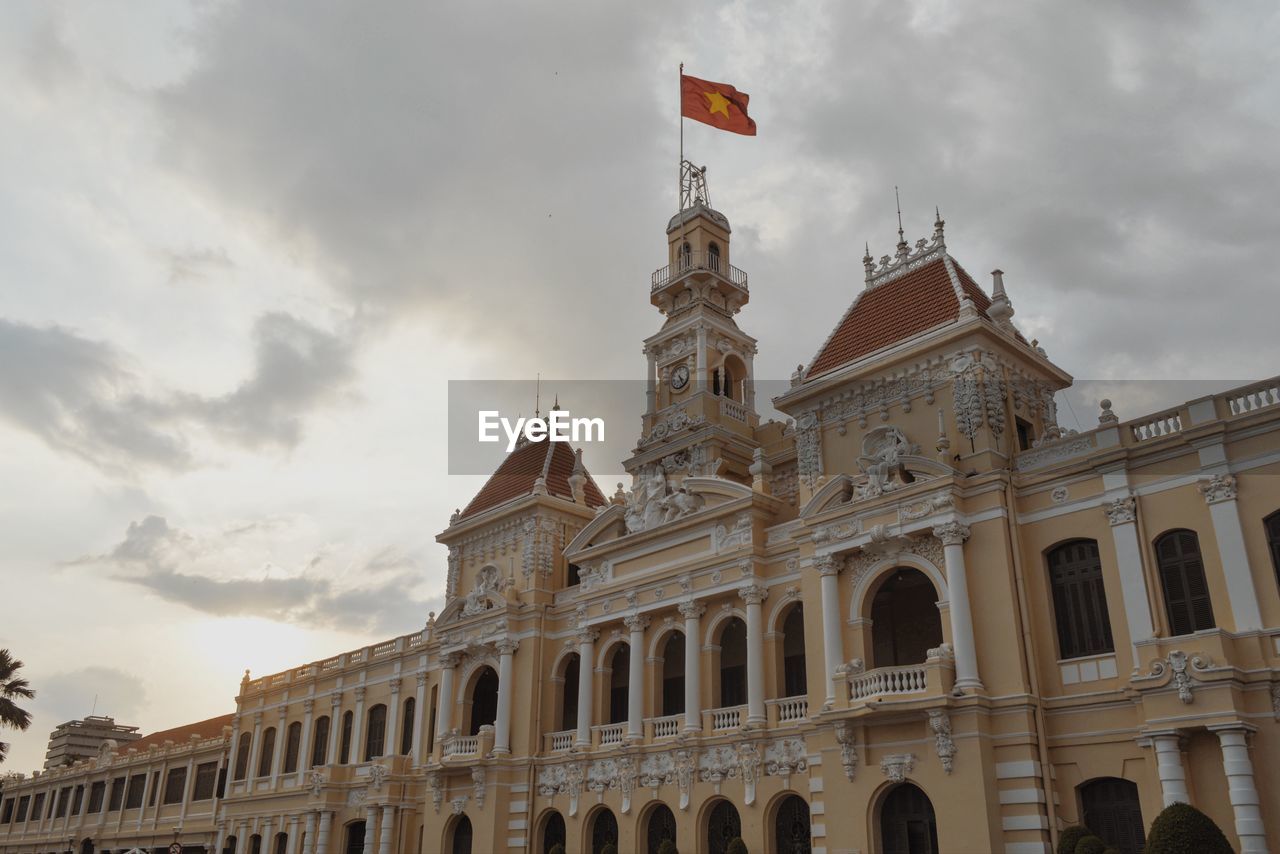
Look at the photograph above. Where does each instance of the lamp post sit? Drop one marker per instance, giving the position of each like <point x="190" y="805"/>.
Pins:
<point x="71" y="842"/>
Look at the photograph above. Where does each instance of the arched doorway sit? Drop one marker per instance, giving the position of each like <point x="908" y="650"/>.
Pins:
<point x="604" y="830"/>
<point x="791" y="831"/>
<point x="354" y="843"/>
<point x="905" y="623"/>
<point x="86" y="847"/>
<point x="229" y="847"/>
<point x="280" y="845"/>
<point x="723" y="826"/>
<point x="907" y="822"/>
<point x="620" y="667"/>
<point x="795" y="683"/>
<point x="1110" y="808"/>
<point x="569" y="694"/>
<point x="673" y="675"/>
<point x="660" y="826"/>
<point x="733" y="664"/>
<point x="484" y="700"/>
<point x="459" y="836"/>
<point x="553" y="832"/>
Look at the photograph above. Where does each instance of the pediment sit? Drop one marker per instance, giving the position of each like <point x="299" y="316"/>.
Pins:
<point x="608" y="525"/>
<point x="843" y="489"/>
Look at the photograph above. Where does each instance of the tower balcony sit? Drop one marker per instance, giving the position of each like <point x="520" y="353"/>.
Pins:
<point x="701" y="264"/>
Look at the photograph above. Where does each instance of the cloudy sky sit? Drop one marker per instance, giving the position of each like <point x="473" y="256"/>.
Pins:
<point x="244" y="247"/>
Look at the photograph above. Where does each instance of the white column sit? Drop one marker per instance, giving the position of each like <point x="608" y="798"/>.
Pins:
<point x="651" y="390"/>
<point x="420" y="713"/>
<point x="370" y="827"/>
<point x="242" y="838"/>
<point x="829" y="567"/>
<point x="291" y="847"/>
<point x="506" y="676"/>
<point x="335" y="727"/>
<point x="322" y="835"/>
<point x="1220" y="493"/>
<point x="636" y="624"/>
<point x="282" y="743"/>
<point x="255" y="744"/>
<point x="268" y="846"/>
<point x="753" y="595"/>
<point x="702" y="357"/>
<point x="220" y="840"/>
<point x="1244" y="794"/>
<point x="388" y="829"/>
<point x="357" y="728"/>
<point x="1123" y="514"/>
<point x="691" y="611"/>
<point x="311" y="833"/>
<point x="953" y="535"/>
<point x="1173" y="777"/>
<point x="304" y="743"/>
<point x="390" y="746"/>
<point x="444" y="717"/>
<point x="586" y="664"/>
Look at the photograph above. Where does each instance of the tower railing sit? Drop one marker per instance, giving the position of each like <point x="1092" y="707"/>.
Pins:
<point x="696" y="262"/>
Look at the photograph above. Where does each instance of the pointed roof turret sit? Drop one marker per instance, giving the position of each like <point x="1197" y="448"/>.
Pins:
<point x="543" y="467"/>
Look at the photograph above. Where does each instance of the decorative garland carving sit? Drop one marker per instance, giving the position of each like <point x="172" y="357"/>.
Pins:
<point x="943" y="743"/>
<point x="848" y="748"/>
<point x="897" y="766"/>
<point x="1176" y="662"/>
<point x="1121" y="510"/>
<point x="785" y="756"/>
<point x="1220" y="487"/>
<point x="808" y="448"/>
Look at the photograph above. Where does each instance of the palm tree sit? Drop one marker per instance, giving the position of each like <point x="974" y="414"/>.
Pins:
<point x="12" y="687"/>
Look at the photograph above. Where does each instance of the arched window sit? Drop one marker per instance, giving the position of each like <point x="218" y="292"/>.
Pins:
<point x="791" y="831"/>
<point x="713" y="257"/>
<point x="618" y="676"/>
<point x="794" y="680"/>
<point x="292" y="747"/>
<point x="431" y="721"/>
<point x="267" y="751"/>
<point x="905" y="623"/>
<point x="673" y="675"/>
<point x="376" y="736"/>
<point x="686" y="256"/>
<point x="907" y="822"/>
<point x="1110" y="809"/>
<point x="355" y="838"/>
<point x="460" y="836"/>
<point x="733" y="664"/>
<point x="320" y="742"/>
<point x="553" y="832"/>
<point x="1079" y="600"/>
<point x="723" y="826"/>
<point x="255" y="844"/>
<point x="1186" y="593"/>
<point x="660" y="827"/>
<point x="604" y="830"/>
<point x="406" y="726"/>
<point x="1272" y="526"/>
<point x="242" y="757"/>
<point x="569" y="694"/>
<point x="282" y="843"/>
<point x="344" y="748"/>
<point x="229" y="847"/>
<point x="484" y="701"/>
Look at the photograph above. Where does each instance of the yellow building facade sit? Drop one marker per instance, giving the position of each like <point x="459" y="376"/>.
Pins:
<point x="918" y="616"/>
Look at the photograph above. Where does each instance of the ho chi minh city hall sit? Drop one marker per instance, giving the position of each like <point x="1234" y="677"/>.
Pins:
<point x="916" y="617"/>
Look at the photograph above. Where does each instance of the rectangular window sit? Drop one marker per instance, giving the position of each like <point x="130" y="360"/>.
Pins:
<point x="117" y="794"/>
<point x="155" y="784"/>
<point x="77" y="800"/>
<point x="320" y="742"/>
<point x="37" y="806"/>
<point x="63" y="796"/>
<point x="206" y="779"/>
<point x="24" y="803"/>
<point x="7" y="818"/>
<point x="97" y="793"/>
<point x="137" y="783"/>
<point x="292" y="747"/>
<point x="175" y="786"/>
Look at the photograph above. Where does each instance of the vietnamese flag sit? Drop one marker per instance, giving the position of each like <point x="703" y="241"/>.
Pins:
<point x="716" y="104"/>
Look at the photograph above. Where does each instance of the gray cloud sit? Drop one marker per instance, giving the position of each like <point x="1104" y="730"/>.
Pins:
<point x="73" y="694"/>
<point x="206" y="573"/>
<point x="84" y="397"/>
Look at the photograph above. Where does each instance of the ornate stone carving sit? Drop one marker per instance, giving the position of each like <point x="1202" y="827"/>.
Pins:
<point x="897" y="766"/>
<point x="1220" y="487"/>
<point x="837" y="531"/>
<point x="926" y="507"/>
<point x="1121" y="510"/>
<point x="636" y="622"/>
<point x="356" y="797"/>
<point x="808" y="448"/>
<point x="1047" y="453"/>
<point x="506" y="646"/>
<point x="753" y="594"/>
<point x="315" y="781"/>
<point x="684" y="760"/>
<point x="672" y="421"/>
<point x="377" y="776"/>
<point x="652" y="501"/>
<point x="968" y="402"/>
<point x="1059" y="495"/>
<point x="725" y="539"/>
<point x="626" y="780"/>
<point x="459" y="804"/>
<point x="435" y="782"/>
<point x="993" y="398"/>
<point x="881" y="461"/>
<point x="1177" y="663"/>
<point x="848" y="748"/>
<point x="691" y="609"/>
<point x="1275" y="700"/>
<point x="477" y="784"/>
<point x="657" y="769"/>
<point x="951" y="533"/>
<point x="749" y="761"/>
<point x="489" y="584"/>
<point x="455" y="569"/>
<point x="785" y="756"/>
<point x="562" y="779"/>
<point x="943" y="744"/>
<point x="784" y="483"/>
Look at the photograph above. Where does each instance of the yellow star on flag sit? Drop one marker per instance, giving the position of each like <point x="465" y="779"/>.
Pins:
<point x="718" y="103"/>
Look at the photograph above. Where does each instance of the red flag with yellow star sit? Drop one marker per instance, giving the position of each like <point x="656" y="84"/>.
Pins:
<point x="716" y="104"/>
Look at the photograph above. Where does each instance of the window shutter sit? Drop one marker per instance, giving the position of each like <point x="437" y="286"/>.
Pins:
<point x="1186" y="591"/>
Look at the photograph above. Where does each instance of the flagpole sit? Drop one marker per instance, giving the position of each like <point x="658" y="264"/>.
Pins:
<point x="680" y="165"/>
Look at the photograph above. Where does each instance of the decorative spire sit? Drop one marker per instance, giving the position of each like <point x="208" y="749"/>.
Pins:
<point x="938" y="223"/>
<point x="1000" y="309"/>
<point x="903" y="249"/>
<point x="867" y="262"/>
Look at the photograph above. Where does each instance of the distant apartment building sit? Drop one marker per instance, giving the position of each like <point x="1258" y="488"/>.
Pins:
<point x="76" y="740"/>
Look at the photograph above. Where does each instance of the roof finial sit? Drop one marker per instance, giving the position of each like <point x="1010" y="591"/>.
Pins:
<point x="938" y="223"/>
<point x="556" y="406"/>
<point x="537" y="397"/>
<point x="903" y="249"/>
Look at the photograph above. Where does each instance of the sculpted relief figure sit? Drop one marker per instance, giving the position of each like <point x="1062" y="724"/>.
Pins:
<point x="652" y="502"/>
<point x="881" y="460"/>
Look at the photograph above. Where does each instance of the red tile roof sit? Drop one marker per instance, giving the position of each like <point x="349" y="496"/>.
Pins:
<point x="181" y="734"/>
<point x="886" y="314"/>
<point x="522" y="468"/>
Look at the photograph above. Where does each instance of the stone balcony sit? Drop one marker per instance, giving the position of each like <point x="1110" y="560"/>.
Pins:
<point x="931" y="681"/>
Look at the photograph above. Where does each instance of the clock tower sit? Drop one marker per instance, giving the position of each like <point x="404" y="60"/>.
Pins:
<point x="700" y="416"/>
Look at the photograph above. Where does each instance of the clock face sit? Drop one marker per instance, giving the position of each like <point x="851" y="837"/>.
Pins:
<point x="680" y="377"/>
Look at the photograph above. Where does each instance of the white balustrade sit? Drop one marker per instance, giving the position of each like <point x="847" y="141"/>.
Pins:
<point x="462" y="745"/>
<point x="1164" y="424"/>
<point x="563" y="740"/>
<point x="668" y="726"/>
<point x="733" y="409"/>
<point x="1255" y="397"/>
<point x="912" y="679"/>
<point x="791" y="709"/>
<point x="609" y="735"/>
<point x="730" y="718"/>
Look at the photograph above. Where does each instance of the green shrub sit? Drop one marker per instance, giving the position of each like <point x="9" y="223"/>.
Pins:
<point x="1183" y="829"/>
<point x="736" y="846"/>
<point x="558" y="848"/>
<point x="1070" y="838"/>
<point x="668" y="847"/>
<point x="1090" y="845"/>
